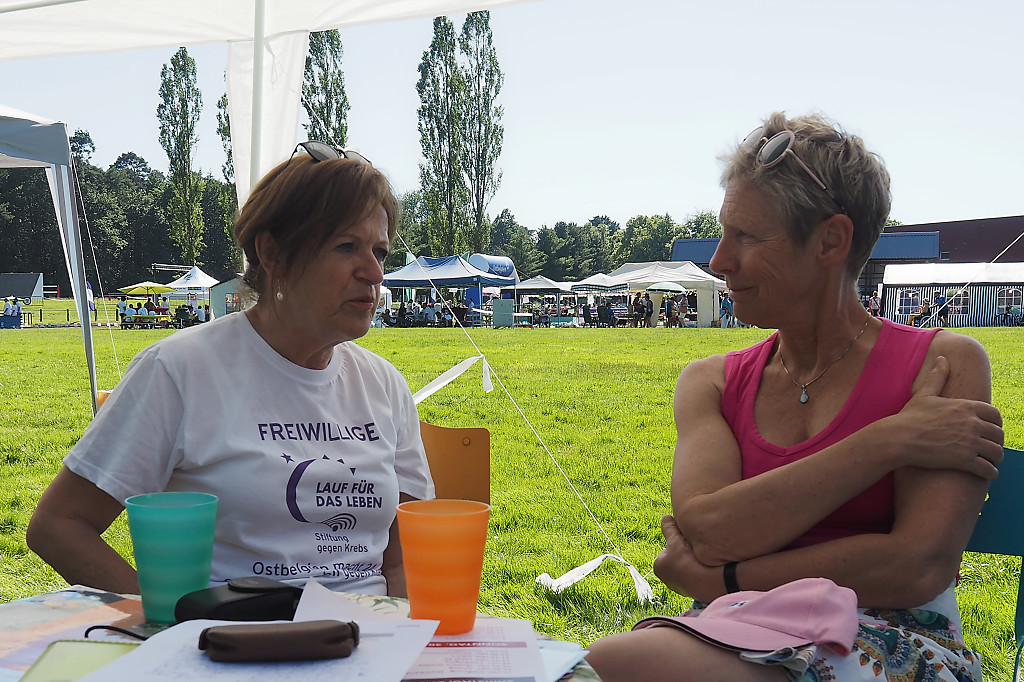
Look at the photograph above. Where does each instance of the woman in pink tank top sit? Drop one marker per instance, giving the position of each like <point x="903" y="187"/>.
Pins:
<point x="845" y="452"/>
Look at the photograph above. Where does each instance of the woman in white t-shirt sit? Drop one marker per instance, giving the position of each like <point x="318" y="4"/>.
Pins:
<point x="308" y="440"/>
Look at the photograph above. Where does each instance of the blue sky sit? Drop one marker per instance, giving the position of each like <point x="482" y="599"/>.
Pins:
<point x="622" y="108"/>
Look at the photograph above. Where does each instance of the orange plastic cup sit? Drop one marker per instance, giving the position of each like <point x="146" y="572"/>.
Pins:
<point x="101" y="397"/>
<point x="443" y="551"/>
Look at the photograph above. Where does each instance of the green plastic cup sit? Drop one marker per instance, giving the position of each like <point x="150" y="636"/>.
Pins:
<point x="172" y="535"/>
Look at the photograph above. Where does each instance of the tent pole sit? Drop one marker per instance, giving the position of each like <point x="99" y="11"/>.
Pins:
<point x="258" y="47"/>
<point x="76" y="265"/>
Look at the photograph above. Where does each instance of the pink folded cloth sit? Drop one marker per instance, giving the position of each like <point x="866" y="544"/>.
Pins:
<point x="807" y="611"/>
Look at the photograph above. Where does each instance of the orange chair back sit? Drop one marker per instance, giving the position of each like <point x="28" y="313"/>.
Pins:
<point x="459" y="460"/>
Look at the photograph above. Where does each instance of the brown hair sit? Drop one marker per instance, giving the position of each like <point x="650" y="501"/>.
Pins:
<point x="857" y="177"/>
<point x="302" y="202"/>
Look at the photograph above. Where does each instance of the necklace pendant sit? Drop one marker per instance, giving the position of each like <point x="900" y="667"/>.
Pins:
<point x="804" y="397"/>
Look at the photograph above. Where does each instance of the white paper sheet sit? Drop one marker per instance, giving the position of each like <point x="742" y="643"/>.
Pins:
<point x="385" y="652"/>
<point x="495" y="650"/>
<point x="317" y="602"/>
<point x="559" y="657"/>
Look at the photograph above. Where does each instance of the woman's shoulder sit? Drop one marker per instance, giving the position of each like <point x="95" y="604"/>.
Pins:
<point x="201" y="339"/>
<point x="968" y="365"/>
<point x="959" y="349"/>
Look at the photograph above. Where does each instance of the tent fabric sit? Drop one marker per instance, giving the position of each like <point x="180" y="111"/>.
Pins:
<point x="30" y="141"/>
<point x="446" y="271"/>
<point x="639" y="276"/>
<point x="267" y="45"/>
<point x="540" y="283"/>
<point x="954" y="273"/>
<point x="193" y="279"/>
<point x="598" y="283"/>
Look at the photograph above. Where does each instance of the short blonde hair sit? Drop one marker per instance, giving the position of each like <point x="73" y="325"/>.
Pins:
<point x="855" y="175"/>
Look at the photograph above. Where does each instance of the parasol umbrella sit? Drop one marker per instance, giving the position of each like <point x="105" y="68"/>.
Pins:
<point x="667" y="288"/>
<point x="146" y="288"/>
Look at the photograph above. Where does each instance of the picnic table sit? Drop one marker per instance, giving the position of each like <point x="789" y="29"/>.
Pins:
<point x="145" y="321"/>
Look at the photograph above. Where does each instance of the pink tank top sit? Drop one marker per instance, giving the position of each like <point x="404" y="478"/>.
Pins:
<point x="883" y="389"/>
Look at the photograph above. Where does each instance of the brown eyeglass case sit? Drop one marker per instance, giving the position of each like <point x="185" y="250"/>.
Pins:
<point x="289" y="641"/>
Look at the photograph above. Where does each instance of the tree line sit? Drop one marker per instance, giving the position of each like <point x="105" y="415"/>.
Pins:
<point x="133" y="216"/>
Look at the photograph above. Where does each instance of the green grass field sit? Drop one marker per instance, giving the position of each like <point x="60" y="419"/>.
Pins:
<point x="600" y="399"/>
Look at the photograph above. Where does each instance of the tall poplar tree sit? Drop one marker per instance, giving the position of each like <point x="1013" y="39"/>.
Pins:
<point x="483" y="133"/>
<point x="323" y="89"/>
<point x="178" y="112"/>
<point x="224" y="133"/>
<point x="442" y="91"/>
<point x="227" y="196"/>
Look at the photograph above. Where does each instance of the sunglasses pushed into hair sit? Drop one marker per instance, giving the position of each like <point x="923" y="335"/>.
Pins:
<point x="773" y="150"/>
<point x="321" y="151"/>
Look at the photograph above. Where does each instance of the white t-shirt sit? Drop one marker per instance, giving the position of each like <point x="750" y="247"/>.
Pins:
<point x="308" y="464"/>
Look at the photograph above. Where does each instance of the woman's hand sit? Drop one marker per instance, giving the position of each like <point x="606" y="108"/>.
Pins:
<point x="393" y="566"/>
<point x="680" y="570"/>
<point x="948" y="433"/>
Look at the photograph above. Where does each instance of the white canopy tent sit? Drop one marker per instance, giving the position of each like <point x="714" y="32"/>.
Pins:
<point x="193" y="279"/>
<point x="267" y="45"/>
<point x="29" y="141"/>
<point x="953" y="273"/>
<point x="639" y="276"/>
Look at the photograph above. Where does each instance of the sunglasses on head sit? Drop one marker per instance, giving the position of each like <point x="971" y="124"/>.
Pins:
<point x="321" y="151"/>
<point x="773" y="150"/>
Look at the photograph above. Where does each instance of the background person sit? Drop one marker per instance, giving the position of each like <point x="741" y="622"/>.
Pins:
<point x="841" y="447"/>
<point x="725" y="310"/>
<point x="636" y="310"/>
<point x="941" y="309"/>
<point x="308" y="440"/>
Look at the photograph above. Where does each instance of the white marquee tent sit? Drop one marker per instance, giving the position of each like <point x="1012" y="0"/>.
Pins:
<point x="193" y="279"/>
<point x="29" y="141"/>
<point x="267" y="45"/>
<point x="639" y="276"/>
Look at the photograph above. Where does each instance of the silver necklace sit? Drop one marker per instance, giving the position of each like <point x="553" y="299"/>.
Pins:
<point x="803" y="387"/>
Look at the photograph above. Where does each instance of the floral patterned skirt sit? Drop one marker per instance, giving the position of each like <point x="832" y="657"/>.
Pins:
<point x="907" y="645"/>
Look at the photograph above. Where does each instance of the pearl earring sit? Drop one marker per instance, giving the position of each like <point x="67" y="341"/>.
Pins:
<point x="279" y="295"/>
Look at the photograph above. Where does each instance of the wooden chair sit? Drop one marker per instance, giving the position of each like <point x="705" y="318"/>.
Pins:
<point x="459" y="460"/>
<point x="998" y="531"/>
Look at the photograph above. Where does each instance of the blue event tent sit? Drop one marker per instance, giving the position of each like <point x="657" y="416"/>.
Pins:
<point x="448" y="271"/>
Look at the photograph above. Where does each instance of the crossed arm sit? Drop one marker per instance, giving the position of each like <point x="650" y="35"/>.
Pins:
<point x="943" y="448"/>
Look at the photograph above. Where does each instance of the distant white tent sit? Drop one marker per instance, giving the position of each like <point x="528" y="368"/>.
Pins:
<point x="30" y="141"/>
<point x="598" y="283"/>
<point x="639" y="276"/>
<point x="953" y="273"/>
<point x="539" y="284"/>
<point x="193" y="279"/>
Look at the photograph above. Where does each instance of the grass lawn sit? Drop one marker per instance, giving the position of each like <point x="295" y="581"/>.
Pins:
<point x="601" y="400"/>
